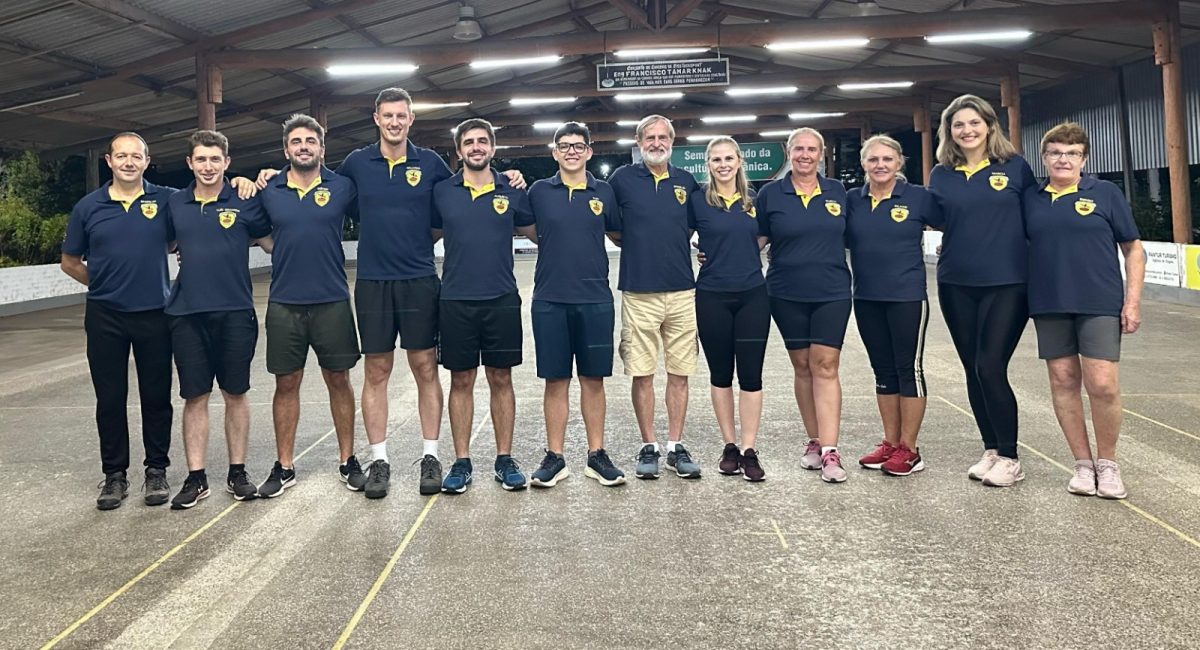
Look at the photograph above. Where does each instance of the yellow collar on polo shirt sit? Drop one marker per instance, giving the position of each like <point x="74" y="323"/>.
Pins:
<point x="301" y="191"/>
<point x="971" y="171"/>
<point x="125" y="202"/>
<point x="392" y="163"/>
<point x="571" y="189"/>
<point x="660" y="178"/>
<point x="730" y="200"/>
<point x="808" y="197"/>
<point x="875" y="202"/>
<point x="477" y="192"/>
<point x="1055" y="195"/>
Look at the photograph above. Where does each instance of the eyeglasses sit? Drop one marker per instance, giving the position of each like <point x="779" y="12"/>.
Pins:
<point x="1073" y="156"/>
<point x="567" y="147"/>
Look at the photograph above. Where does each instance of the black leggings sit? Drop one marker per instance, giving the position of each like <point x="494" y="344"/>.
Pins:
<point x="733" y="326"/>
<point x="986" y="324"/>
<point x="894" y="335"/>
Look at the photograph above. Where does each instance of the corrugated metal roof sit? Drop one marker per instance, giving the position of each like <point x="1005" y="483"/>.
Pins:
<point x="220" y="16"/>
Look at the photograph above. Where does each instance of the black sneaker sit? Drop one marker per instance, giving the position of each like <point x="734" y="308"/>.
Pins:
<point x="751" y="469"/>
<point x="379" y="473"/>
<point x="601" y="468"/>
<point x="352" y="474"/>
<point x="280" y="480"/>
<point x="680" y="461"/>
<point x="240" y="486"/>
<point x="156" y="487"/>
<point x="431" y="474"/>
<point x="113" y="490"/>
<point x="508" y="473"/>
<point x="552" y="470"/>
<point x="731" y="460"/>
<point x="193" y="490"/>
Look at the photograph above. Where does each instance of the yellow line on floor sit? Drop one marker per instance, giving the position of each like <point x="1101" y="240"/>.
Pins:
<point x="779" y="534"/>
<point x="1165" y="426"/>
<point x="383" y="575"/>
<point x="1132" y="508"/>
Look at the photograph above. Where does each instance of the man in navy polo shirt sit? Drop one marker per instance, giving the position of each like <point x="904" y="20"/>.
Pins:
<point x="572" y="303"/>
<point x="477" y="210"/>
<point x="121" y="231"/>
<point x="658" y="290"/>
<point x="214" y="329"/>
<point x="310" y="301"/>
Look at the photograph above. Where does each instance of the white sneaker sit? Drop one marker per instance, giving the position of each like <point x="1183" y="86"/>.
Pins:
<point x="1004" y="472"/>
<point x="1108" y="480"/>
<point x="1084" y="481"/>
<point x="976" y="471"/>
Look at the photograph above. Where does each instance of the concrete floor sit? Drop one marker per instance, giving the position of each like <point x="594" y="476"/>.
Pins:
<point x="931" y="561"/>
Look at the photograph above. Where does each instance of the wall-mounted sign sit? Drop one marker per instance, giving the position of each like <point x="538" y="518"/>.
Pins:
<point x="683" y="73"/>
<point x="761" y="160"/>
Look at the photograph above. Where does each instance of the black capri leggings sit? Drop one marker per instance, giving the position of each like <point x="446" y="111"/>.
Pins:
<point x="733" y="326"/>
<point x="894" y="334"/>
<point x="986" y="324"/>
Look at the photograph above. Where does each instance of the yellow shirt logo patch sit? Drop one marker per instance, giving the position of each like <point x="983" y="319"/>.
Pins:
<point x="149" y="209"/>
<point x="226" y="218"/>
<point x="834" y="208"/>
<point x="413" y="176"/>
<point x="899" y="213"/>
<point x="500" y="204"/>
<point x="321" y="197"/>
<point x="597" y="206"/>
<point x="1085" y="207"/>
<point x="998" y="181"/>
<point x="680" y="195"/>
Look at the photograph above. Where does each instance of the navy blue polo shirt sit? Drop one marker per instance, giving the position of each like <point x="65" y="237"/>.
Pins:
<point x="984" y="242"/>
<point x="125" y="245"/>
<point x="808" y="240"/>
<point x="477" y="226"/>
<point x="655" y="252"/>
<point x="729" y="241"/>
<point x="1073" y="240"/>
<point x="214" y="240"/>
<point x="395" y="206"/>
<point x="884" y="238"/>
<point x="308" y="263"/>
<point x="572" y="263"/>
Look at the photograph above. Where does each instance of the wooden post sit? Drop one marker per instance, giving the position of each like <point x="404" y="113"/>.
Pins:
<point x="865" y="129"/>
<point x="206" y="99"/>
<point x="830" y="161"/>
<point x="922" y="125"/>
<point x="319" y="111"/>
<point x="93" y="169"/>
<point x="1010" y="97"/>
<point x="1167" y="55"/>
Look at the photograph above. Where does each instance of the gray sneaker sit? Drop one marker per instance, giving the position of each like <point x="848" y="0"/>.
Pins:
<point x="681" y="461"/>
<point x="647" y="463"/>
<point x="113" y="490"/>
<point x="379" y="473"/>
<point x="156" y="486"/>
<point x="431" y="475"/>
<point x="812" y="455"/>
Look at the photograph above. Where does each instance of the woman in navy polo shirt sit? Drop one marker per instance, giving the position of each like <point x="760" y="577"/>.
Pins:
<point x="1079" y="305"/>
<point x="885" y="224"/>
<point x="803" y="215"/>
<point x="978" y="184"/>
<point x="733" y="315"/>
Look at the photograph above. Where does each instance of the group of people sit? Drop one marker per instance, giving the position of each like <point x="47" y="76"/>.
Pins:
<point x="1001" y="228"/>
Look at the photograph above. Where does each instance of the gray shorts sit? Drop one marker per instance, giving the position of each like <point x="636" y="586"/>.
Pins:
<point x="1066" y="335"/>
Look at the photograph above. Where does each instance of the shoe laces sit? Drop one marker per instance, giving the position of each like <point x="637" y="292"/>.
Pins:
<point x="1108" y="472"/>
<point x="601" y="458"/>
<point x="814" y="447"/>
<point x="156" y="481"/>
<point x="508" y="467"/>
<point x="647" y="454"/>
<point x="429" y="467"/>
<point x="682" y="455"/>
<point x="831" y="458"/>
<point x="109" y="483"/>
<point x="750" y="460"/>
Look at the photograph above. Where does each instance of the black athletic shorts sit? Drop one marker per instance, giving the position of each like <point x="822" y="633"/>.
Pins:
<point x="580" y="333"/>
<point x="387" y="308"/>
<point x="480" y="332"/>
<point x="214" y="344"/>
<point x="806" y="323"/>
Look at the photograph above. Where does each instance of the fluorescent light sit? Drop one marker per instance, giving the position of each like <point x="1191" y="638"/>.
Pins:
<point x="975" y="37"/>
<point x="40" y="102"/>
<point x="626" y="141"/>
<point x="765" y="90"/>
<point x="725" y="119"/>
<point x="660" y="51"/>
<point x="505" y="63"/>
<point x="812" y="116"/>
<point x="433" y="106"/>
<point x="874" y="86"/>
<point x="507" y="146"/>
<point x="494" y="128"/>
<point x="547" y="126"/>
<point x="533" y="101"/>
<point x="703" y="138"/>
<point x="818" y="44"/>
<point x="628" y="122"/>
<point x="781" y="133"/>
<point x="639" y="97"/>
<point x="363" y="69"/>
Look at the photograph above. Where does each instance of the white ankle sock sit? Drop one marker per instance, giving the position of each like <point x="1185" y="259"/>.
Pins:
<point x="826" y="450"/>
<point x="379" y="451"/>
<point x="671" y="445"/>
<point x="652" y="444"/>
<point x="430" y="447"/>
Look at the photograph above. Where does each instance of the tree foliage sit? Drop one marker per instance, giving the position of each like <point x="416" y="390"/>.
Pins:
<point x="35" y="200"/>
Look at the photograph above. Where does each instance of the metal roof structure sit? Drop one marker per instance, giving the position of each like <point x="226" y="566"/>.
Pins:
<point x="77" y="71"/>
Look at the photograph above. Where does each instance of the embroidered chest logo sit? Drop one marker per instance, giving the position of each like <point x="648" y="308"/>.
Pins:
<point x="998" y="181"/>
<point x="1085" y="207"/>
<point x="752" y="212"/>
<point x="321" y="197"/>
<point x="500" y="204"/>
<point x="680" y="194"/>
<point x="596" y="205"/>
<point x="834" y="208"/>
<point x="226" y="218"/>
<point x="899" y="213"/>
<point x="413" y="176"/>
<point x="149" y="209"/>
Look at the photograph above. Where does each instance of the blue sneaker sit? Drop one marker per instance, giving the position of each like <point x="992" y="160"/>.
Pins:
<point x="508" y="473"/>
<point x="459" y="477"/>
<point x="601" y="468"/>
<point x="647" y="462"/>
<point x="681" y="461"/>
<point x="552" y="470"/>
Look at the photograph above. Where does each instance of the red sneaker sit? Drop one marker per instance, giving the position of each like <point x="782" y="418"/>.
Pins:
<point x="876" y="458"/>
<point x="903" y="462"/>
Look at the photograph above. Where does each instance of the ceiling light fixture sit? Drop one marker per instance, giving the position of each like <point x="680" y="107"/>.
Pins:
<point x="812" y="116"/>
<point x="659" y="51"/>
<point x="467" y="28"/>
<point x="726" y="119"/>
<point x="766" y="90"/>
<point x="704" y="138"/>
<point x="641" y="97"/>
<point x="977" y="37"/>
<point x="817" y="44"/>
<point x="433" y="106"/>
<point x="875" y="85"/>
<point x="485" y="64"/>
<point x="534" y="101"/>
<point x="366" y="69"/>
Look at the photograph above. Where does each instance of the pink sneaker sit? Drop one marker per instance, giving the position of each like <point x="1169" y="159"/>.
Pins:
<point x="879" y="456"/>
<point x="1084" y="481"/>
<point x="1108" y="480"/>
<point x="812" y="455"/>
<point x="903" y="461"/>
<point x="831" y="468"/>
<point x="976" y="471"/>
<point x="1004" y="473"/>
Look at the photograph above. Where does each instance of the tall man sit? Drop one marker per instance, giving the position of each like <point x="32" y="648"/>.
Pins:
<point x="658" y="290"/>
<point x="310" y="300"/>
<point x="121" y="230"/>
<point x="214" y="329"/>
<point x="477" y="210"/>
<point x="572" y="303"/>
